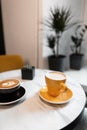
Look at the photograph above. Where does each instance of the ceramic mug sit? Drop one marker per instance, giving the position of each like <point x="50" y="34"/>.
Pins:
<point x="55" y="82"/>
<point x="9" y="85"/>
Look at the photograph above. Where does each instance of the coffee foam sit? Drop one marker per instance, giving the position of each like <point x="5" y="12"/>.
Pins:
<point x="55" y="76"/>
<point x="9" y="83"/>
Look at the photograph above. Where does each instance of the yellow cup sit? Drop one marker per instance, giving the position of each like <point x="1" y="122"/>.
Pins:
<point x="55" y="82"/>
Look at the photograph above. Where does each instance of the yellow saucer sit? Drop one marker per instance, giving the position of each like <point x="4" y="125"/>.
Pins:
<point x="63" y="97"/>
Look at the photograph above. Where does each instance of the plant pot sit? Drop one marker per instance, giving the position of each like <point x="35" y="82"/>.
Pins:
<point x="57" y="63"/>
<point x="76" y="61"/>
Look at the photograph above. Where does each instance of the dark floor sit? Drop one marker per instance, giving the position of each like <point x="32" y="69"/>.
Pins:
<point x="86" y="101"/>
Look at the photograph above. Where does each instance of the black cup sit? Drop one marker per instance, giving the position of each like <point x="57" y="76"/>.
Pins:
<point x="9" y="85"/>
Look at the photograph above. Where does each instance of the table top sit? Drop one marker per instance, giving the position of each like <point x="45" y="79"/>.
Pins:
<point x="79" y="75"/>
<point x="36" y="114"/>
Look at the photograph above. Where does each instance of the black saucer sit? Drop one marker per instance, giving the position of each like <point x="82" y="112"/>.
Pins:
<point x="13" y="97"/>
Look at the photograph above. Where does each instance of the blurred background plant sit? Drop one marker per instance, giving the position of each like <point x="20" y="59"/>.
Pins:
<point x="51" y="43"/>
<point x="59" y="20"/>
<point x="78" y="38"/>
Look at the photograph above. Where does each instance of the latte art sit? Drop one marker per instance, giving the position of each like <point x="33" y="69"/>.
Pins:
<point x="9" y="83"/>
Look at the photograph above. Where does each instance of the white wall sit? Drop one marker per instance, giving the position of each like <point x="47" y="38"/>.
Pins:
<point x="20" y="19"/>
<point x="77" y="8"/>
<point x="22" y="28"/>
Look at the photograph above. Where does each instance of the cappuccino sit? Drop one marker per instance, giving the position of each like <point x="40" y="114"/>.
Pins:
<point x="55" y="82"/>
<point x="55" y="76"/>
<point x="9" y="83"/>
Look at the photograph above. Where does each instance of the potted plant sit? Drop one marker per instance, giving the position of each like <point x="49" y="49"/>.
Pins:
<point x="58" y="22"/>
<point x="76" y="58"/>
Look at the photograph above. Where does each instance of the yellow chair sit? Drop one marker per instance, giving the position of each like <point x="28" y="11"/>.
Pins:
<point x="10" y="62"/>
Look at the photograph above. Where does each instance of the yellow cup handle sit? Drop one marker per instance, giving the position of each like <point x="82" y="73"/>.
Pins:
<point x="63" y="87"/>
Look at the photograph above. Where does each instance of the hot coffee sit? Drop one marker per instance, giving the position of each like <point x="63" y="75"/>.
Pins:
<point x="9" y="83"/>
<point x="56" y="76"/>
<point x="55" y="82"/>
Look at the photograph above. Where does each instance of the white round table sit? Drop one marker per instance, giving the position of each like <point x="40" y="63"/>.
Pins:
<point x="79" y="76"/>
<point x="35" y="114"/>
